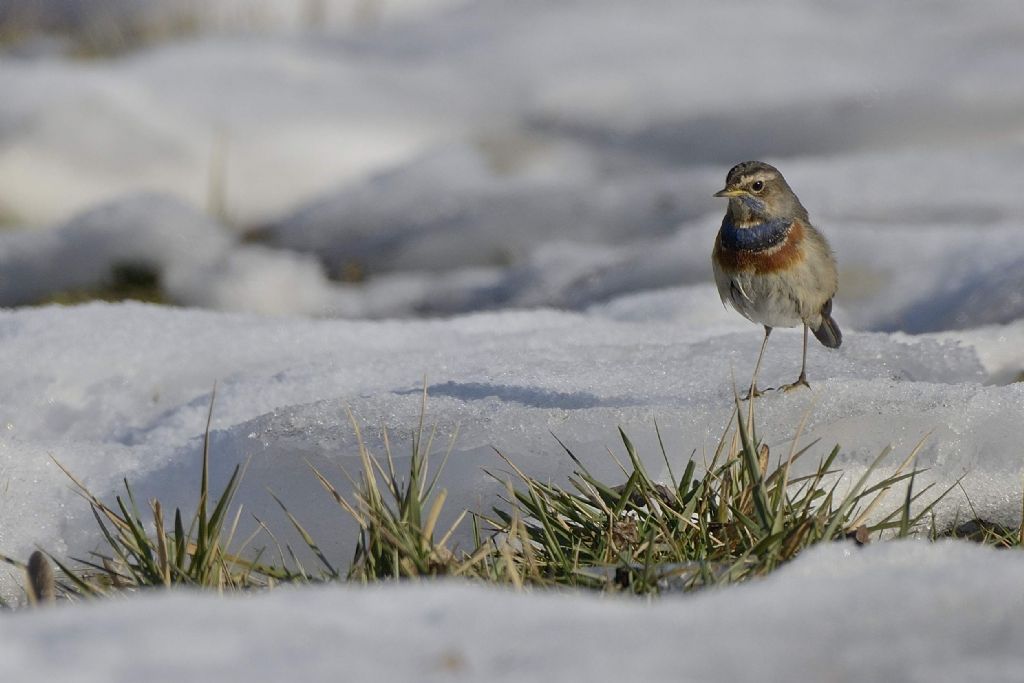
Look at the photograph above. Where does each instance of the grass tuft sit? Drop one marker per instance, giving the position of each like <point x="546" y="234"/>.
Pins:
<point x="397" y="516"/>
<point x="143" y="552"/>
<point x="735" y="521"/>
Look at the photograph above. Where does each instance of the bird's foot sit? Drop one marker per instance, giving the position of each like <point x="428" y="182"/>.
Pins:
<point x="801" y="381"/>
<point x="755" y="392"/>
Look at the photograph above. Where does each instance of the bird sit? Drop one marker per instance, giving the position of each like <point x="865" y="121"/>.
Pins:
<point x="771" y="264"/>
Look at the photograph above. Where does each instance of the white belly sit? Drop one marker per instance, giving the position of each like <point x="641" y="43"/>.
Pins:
<point x="764" y="299"/>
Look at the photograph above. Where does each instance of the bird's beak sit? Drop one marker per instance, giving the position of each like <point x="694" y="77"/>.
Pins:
<point x="729" y="193"/>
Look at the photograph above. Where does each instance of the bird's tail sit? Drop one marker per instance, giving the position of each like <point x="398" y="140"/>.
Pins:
<point x="828" y="333"/>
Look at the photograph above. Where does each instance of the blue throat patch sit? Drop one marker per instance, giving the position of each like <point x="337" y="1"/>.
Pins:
<point x="757" y="237"/>
<point x="753" y="203"/>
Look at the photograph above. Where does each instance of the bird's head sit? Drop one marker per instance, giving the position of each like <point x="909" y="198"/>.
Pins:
<point x="757" y="192"/>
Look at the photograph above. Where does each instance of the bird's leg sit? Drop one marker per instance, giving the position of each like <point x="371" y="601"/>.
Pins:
<point x="757" y="367"/>
<point x="801" y="381"/>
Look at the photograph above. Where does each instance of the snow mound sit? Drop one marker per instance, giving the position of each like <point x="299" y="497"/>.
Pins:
<point x="893" y="612"/>
<point x="192" y="259"/>
<point x="461" y="206"/>
<point x="147" y="231"/>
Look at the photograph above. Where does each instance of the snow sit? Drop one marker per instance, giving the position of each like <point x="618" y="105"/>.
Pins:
<point x="899" y="612"/>
<point x="298" y="115"/>
<point x="122" y="390"/>
<point x="511" y="204"/>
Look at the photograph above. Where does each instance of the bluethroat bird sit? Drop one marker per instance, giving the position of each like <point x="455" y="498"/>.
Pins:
<point x="771" y="264"/>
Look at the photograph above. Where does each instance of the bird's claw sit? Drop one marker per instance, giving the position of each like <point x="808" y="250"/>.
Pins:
<point x="755" y="392"/>
<point x="801" y="381"/>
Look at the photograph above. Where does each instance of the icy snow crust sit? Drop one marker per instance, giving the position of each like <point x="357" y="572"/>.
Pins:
<point x="539" y="176"/>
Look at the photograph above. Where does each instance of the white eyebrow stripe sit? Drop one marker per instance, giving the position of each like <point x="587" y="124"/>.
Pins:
<point x="760" y="175"/>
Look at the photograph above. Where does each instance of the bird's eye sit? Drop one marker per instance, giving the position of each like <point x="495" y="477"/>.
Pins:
<point x="757" y="185"/>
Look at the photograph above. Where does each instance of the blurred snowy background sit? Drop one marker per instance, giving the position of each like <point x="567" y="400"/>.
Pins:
<point x="375" y="158"/>
<point x="513" y="200"/>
